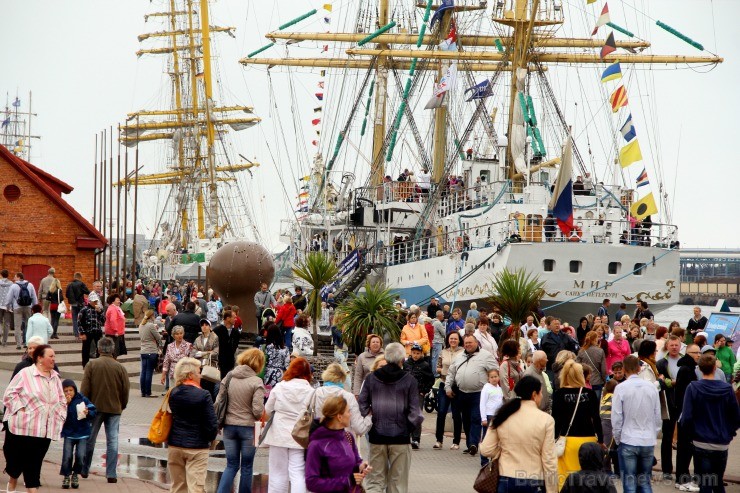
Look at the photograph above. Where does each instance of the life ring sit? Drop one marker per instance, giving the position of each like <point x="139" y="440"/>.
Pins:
<point x="459" y="243"/>
<point x="575" y="234"/>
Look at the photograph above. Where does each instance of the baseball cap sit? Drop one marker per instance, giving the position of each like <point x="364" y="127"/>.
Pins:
<point x="204" y="321"/>
<point x="707" y="348"/>
<point x="92" y="297"/>
<point x="416" y="346"/>
<point x="199" y="295"/>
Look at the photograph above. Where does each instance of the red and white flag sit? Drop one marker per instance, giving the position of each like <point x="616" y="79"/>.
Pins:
<point x="603" y="19"/>
<point x="450" y="43"/>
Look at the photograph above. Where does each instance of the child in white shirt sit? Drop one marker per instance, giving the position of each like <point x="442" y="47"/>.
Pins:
<point x="491" y="398"/>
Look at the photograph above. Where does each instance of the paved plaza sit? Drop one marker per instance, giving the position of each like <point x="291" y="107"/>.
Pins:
<point x="142" y="468"/>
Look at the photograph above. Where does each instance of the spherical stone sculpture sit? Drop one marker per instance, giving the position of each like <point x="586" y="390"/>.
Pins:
<point x="235" y="273"/>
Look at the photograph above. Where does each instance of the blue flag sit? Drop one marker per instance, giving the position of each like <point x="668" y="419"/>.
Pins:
<point x="628" y="130"/>
<point x="480" y="91"/>
<point x="446" y="4"/>
<point x="17" y="102"/>
<point x="6" y="122"/>
<point x="612" y="72"/>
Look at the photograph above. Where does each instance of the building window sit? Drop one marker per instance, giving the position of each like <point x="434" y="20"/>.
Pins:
<point x="11" y="193"/>
<point x="548" y="265"/>
<point x="575" y="266"/>
<point x="614" y="267"/>
<point x="639" y="269"/>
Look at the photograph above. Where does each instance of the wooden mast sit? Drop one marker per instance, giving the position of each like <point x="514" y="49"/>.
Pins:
<point x="519" y="60"/>
<point x="210" y="133"/>
<point x="177" y="80"/>
<point x="440" y="114"/>
<point x="381" y="92"/>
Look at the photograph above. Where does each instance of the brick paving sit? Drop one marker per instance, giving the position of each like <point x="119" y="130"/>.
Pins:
<point x="142" y="468"/>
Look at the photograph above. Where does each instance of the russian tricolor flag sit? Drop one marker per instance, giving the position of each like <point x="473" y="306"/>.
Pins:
<point x="561" y="202"/>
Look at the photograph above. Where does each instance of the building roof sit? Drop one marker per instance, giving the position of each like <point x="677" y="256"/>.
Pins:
<point x="53" y="188"/>
<point x="55" y="183"/>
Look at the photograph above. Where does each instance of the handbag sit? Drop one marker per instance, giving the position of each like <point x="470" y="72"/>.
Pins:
<point x="593" y="364"/>
<point x="210" y="373"/>
<point x="159" y="430"/>
<point x="560" y="442"/>
<point x="302" y="427"/>
<point x="62" y="307"/>
<point x="223" y="403"/>
<point x="487" y="479"/>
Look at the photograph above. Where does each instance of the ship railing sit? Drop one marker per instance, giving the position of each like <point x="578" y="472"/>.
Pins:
<point x="522" y="229"/>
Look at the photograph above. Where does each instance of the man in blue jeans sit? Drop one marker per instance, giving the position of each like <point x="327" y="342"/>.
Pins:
<point x="105" y="383"/>
<point x="711" y="417"/>
<point x="636" y="421"/>
<point x="465" y="379"/>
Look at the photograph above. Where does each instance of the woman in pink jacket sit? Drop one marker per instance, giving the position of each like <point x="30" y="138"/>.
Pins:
<point x="115" y="321"/>
<point x="619" y="349"/>
<point x="35" y="410"/>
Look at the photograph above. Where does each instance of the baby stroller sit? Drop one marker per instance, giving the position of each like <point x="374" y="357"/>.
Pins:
<point x="268" y="317"/>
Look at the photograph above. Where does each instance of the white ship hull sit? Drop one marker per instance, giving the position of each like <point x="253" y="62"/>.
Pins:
<point x="569" y="295"/>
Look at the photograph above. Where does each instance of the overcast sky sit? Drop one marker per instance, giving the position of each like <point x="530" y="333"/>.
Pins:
<point x="78" y="59"/>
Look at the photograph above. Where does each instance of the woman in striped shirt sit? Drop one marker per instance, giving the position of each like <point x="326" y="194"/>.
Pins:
<point x="35" y="413"/>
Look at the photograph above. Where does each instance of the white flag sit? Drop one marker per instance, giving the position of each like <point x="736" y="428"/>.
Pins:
<point x="448" y="80"/>
<point x="435" y="101"/>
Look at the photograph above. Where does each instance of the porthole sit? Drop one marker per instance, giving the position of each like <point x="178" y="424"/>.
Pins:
<point x="11" y="193"/>
<point x="575" y="266"/>
<point x="548" y="265"/>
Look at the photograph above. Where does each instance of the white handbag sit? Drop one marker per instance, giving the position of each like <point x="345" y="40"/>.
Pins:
<point x="210" y="373"/>
<point x="62" y="307"/>
<point x="562" y="439"/>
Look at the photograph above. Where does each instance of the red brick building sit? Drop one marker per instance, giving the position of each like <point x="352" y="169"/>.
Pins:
<point x="38" y="229"/>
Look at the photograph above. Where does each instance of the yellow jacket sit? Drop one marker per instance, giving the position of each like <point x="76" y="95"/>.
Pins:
<point x="525" y="446"/>
<point x="418" y="333"/>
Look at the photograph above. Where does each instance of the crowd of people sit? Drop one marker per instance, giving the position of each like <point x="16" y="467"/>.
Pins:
<point x="555" y="405"/>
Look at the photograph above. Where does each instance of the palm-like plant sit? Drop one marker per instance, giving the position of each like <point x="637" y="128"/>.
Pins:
<point x="318" y="270"/>
<point x="372" y="311"/>
<point x="516" y="293"/>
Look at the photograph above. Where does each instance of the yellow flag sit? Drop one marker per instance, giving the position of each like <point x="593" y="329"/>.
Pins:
<point x="327" y="7"/>
<point x="644" y="207"/>
<point x="630" y="153"/>
<point x="589" y="2"/>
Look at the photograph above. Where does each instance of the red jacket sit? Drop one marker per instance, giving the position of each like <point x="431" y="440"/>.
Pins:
<point x="430" y="331"/>
<point x="286" y="314"/>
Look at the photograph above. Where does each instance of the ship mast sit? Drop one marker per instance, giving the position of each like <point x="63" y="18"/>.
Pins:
<point x="530" y="40"/>
<point x="381" y="93"/>
<point x="190" y="122"/>
<point x="519" y="59"/>
<point x="177" y="79"/>
<point x="440" y="115"/>
<point x="210" y="132"/>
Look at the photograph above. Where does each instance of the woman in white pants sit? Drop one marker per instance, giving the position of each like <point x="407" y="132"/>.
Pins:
<point x="288" y="399"/>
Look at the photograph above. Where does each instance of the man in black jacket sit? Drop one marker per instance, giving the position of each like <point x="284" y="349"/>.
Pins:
<point x="420" y="369"/>
<point x="668" y="367"/>
<point x="390" y="394"/>
<point x="228" y="343"/>
<point x="684" y="448"/>
<point x="555" y="341"/>
<point x="76" y="291"/>
<point x="189" y="321"/>
<point x="299" y="300"/>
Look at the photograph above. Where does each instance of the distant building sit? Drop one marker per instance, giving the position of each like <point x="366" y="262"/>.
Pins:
<point x="39" y="229"/>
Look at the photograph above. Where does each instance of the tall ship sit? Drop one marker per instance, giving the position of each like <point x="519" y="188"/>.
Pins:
<point x="15" y="126"/>
<point x="186" y="173"/>
<point x="453" y="140"/>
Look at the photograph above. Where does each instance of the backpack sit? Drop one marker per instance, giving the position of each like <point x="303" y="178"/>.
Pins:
<point x="24" y="297"/>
